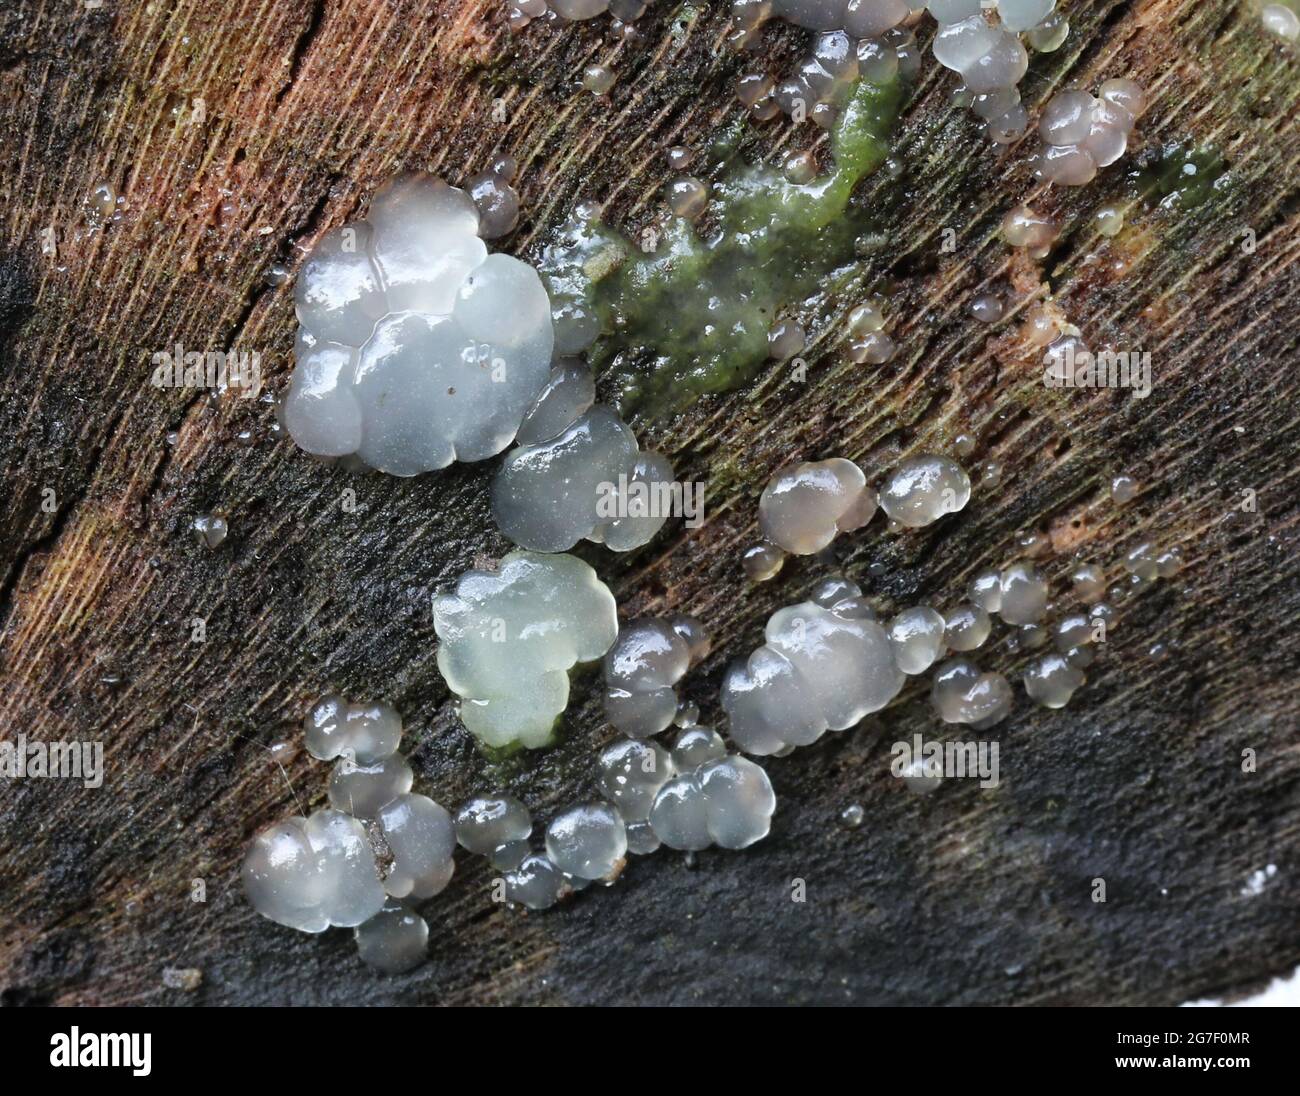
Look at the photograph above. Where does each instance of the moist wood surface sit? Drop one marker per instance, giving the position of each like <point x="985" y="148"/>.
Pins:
<point x="968" y="896"/>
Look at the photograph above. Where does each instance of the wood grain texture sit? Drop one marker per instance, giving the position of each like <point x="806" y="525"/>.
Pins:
<point x="966" y="897"/>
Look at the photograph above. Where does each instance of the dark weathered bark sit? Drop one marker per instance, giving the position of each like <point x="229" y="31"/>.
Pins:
<point x="964" y="897"/>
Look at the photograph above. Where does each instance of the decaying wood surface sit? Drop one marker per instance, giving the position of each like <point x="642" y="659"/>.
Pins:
<point x="968" y="896"/>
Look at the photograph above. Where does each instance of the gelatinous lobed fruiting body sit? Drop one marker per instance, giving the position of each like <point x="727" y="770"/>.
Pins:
<point x="727" y="802"/>
<point x="588" y="841"/>
<point x="922" y="489"/>
<point x="580" y="475"/>
<point x="822" y="667"/>
<point x="642" y="668"/>
<point x="1082" y="134"/>
<point x="510" y="637"/>
<point x="961" y="693"/>
<point x="416" y="347"/>
<point x="804" y="506"/>
<point x="311" y="873"/>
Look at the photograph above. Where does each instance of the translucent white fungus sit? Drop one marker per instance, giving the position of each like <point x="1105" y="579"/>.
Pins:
<point x="962" y="694"/>
<point x="966" y="628"/>
<point x="817" y="670"/>
<point x="918" y="638"/>
<point x="361" y="790"/>
<point x="985" y="590"/>
<point x="1083" y="133"/>
<point x="1024" y="594"/>
<point x="487" y="823"/>
<point x="211" y="530"/>
<point x="727" y="802"/>
<point x="422" y="839"/>
<point x="1089" y="583"/>
<point x="598" y="79"/>
<point x="695" y="746"/>
<point x="642" y="839"/>
<point x="641" y="669"/>
<point x="785" y="340"/>
<point x="1124" y="489"/>
<point x="417" y="348"/>
<point x="591" y="480"/>
<point x="395" y="940"/>
<point x="987" y="308"/>
<point x="509" y="638"/>
<point x="1141" y="561"/>
<point x="1280" y="20"/>
<point x="1051" y="680"/>
<point x="536" y="883"/>
<point x="922" y="489"/>
<point x="496" y="200"/>
<point x="569" y="392"/>
<point x="631" y="774"/>
<point x="366" y="733"/>
<point x="588" y="841"/>
<point x="1023" y="227"/>
<point x="922" y="776"/>
<point x="312" y="873"/>
<point x="762" y="561"/>
<point x="804" y="506"/>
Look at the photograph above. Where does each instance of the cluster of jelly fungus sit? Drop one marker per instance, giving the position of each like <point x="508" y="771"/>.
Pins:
<point x="416" y="347"/>
<point x="774" y="242"/>
<point x="642" y="668"/>
<point x="321" y="871"/>
<point x="579" y="473"/>
<point x="825" y="664"/>
<point x="508" y="639"/>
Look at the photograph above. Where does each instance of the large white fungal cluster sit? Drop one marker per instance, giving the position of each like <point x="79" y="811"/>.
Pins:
<point x="641" y="669"/>
<point x="508" y="639"/>
<point x="321" y="871"/>
<point x="416" y="347"/>
<point x="824" y="666"/>
<point x="1082" y="132"/>
<point x="579" y="473"/>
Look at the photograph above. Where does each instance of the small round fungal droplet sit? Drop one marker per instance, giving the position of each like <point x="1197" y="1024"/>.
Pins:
<point x="1109" y="220"/>
<point x="785" y="340"/>
<point x="918" y="638"/>
<point x="695" y="746"/>
<point x="922" y="776"/>
<point x="1024" y="594"/>
<point x="1089" y="583"/>
<point x="422" y="839"/>
<point x="1124" y="489"/>
<point x="487" y="822"/>
<point x="805" y="506"/>
<point x="598" y="79"/>
<point x="632" y="772"/>
<point x="853" y="816"/>
<point x="688" y="197"/>
<point x="762" y="561"/>
<point x="536" y="883"/>
<point x="1281" y="21"/>
<point x="962" y="694"/>
<point x="922" y="489"/>
<point x="641" y="669"/>
<point x="1051" y="681"/>
<point x="987" y="308"/>
<point x="679" y="157"/>
<point x="966" y="628"/>
<point x="395" y="940"/>
<point x="361" y="790"/>
<point x="211" y="530"/>
<point x="800" y="168"/>
<point x="587" y="841"/>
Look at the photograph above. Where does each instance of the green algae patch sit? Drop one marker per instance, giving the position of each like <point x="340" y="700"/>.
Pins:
<point x="684" y="311"/>
<point x="1182" y="177"/>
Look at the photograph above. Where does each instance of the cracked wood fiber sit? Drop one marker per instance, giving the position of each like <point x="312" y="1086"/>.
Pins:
<point x="967" y="896"/>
